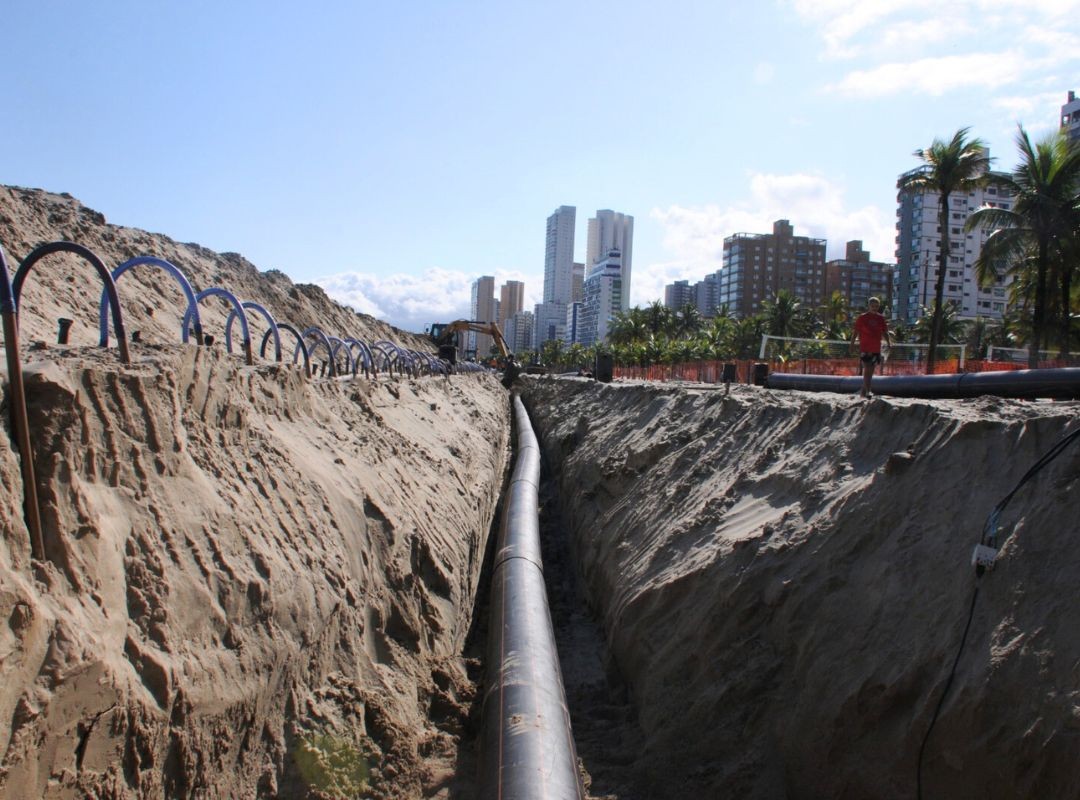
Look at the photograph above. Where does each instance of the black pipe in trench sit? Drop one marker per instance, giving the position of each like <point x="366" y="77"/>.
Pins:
<point x="527" y="749"/>
<point x="1027" y="383"/>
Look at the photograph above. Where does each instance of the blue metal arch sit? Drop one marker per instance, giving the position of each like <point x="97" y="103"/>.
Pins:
<point x="237" y="308"/>
<point x="324" y="340"/>
<point x="270" y="321"/>
<point x="301" y="347"/>
<point x="365" y="352"/>
<point x="337" y="344"/>
<point x="172" y="269"/>
<point x="389" y="352"/>
<point x="40" y="252"/>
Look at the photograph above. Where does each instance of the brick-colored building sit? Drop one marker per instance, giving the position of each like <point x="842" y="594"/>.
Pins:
<point x="858" y="278"/>
<point x="758" y="265"/>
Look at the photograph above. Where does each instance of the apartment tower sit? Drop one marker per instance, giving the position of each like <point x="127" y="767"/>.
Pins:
<point x="918" y="245"/>
<point x="758" y="265"/>
<point x="611" y="230"/>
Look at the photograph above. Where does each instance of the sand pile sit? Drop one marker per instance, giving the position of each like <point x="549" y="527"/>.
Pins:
<point x="253" y="578"/>
<point x="258" y="585"/>
<point x="65" y="286"/>
<point x="784" y="580"/>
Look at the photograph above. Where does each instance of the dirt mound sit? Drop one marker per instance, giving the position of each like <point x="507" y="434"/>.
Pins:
<point x="784" y="580"/>
<point x="152" y="302"/>
<point x="258" y="585"/>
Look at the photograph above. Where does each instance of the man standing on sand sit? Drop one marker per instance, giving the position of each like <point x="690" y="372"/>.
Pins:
<point x="869" y="328"/>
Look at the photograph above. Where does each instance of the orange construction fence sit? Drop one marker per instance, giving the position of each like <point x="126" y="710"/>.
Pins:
<point x="712" y="371"/>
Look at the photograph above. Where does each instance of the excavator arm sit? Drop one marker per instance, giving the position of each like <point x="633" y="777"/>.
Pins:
<point x="444" y="334"/>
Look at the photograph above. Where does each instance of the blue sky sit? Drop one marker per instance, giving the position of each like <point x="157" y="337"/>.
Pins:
<point x="394" y="152"/>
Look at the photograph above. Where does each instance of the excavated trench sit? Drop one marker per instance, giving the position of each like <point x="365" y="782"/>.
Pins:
<point x="604" y="721"/>
<point x="783" y="580"/>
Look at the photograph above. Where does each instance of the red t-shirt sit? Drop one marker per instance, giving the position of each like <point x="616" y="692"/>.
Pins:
<point x="870" y="326"/>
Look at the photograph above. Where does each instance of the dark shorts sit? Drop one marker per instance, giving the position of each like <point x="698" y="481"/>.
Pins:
<point x="870" y="358"/>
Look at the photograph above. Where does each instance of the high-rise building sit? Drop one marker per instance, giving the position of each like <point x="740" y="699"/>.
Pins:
<point x="611" y="230"/>
<point x="559" y="255"/>
<point x="1070" y="117"/>
<point x="603" y="299"/>
<point x="918" y="245"/>
<point x="572" y="331"/>
<point x="519" y="332"/>
<point x="577" y="283"/>
<point x="758" y="265"/>
<point x="483" y="310"/>
<point x="678" y="294"/>
<point x="705" y="293"/>
<point x="858" y="278"/>
<point x="511" y="301"/>
<point x="549" y="320"/>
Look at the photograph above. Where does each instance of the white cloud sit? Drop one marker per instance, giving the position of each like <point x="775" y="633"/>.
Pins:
<point x="934" y="76"/>
<point x="812" y="203"/>
<point x="899" y="43"/>
<point x="855" y="28"/>
<point x="1024" y="106"/>
<point x="413" y="302"/>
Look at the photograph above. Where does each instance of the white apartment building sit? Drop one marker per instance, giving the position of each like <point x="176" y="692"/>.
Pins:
<point x="611" y="230"/>
<point x="559" y="256"/>
<point x="603" y="299"/>
<point x="918" y="244"/>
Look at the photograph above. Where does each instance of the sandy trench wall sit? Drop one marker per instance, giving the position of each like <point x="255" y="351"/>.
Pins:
<point x="244" y="566"/>
<point x="784" y="579"/>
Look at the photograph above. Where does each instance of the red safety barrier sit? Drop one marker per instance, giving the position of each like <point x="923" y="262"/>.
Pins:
<point x="712" y="371"/>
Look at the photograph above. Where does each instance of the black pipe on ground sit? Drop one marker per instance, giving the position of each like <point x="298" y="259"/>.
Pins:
<point x="1062" y="384"/>
<point x="527" y="746"/>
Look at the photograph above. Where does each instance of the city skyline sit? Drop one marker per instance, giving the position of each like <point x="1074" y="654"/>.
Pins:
<point x="398" y="153"/>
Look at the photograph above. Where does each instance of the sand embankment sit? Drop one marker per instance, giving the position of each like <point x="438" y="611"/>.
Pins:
<point x="254" y="579"/>
<point x="784" y="580"/>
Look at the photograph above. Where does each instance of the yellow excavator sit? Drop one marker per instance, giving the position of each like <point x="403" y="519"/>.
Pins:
<point x="444" y="335"/>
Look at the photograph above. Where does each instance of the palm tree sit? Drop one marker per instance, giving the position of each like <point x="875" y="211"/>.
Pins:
<point x="629" y="326"/>
<point x="785" y="315"/>
<point x="717" y="338"/>
<point x="746" y="340"/>
<point x="551" y="352"/>
<point x="1037" y="238"/>
<point x="688" y="322"/>
<point x="954" y="166"/>
<point x="833" y="316"/>
<point x="660" y="319"/>
<point x="1038" y="235"/>
<point x="576" y="355"/>
<point x="951" y="329"/>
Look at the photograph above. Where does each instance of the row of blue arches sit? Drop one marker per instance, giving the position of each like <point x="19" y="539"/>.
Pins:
<point x="345" y="356"/>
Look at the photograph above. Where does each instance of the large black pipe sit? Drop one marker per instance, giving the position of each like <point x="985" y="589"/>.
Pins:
<point x="527" y="747"/>
<point x="1024" y="384"/>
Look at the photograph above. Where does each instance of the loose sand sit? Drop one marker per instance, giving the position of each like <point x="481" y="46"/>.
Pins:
<point x="249" y="572"/>
<point x="258" y="584"/>
<point x="784" y="579"/>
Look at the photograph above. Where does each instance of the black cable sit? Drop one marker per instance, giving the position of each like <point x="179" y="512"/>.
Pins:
<point x="990" y="529"/>
<point x="945" y="691"/>
<point x="989" y="537"/>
